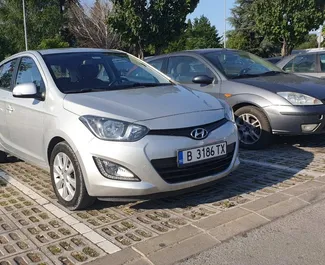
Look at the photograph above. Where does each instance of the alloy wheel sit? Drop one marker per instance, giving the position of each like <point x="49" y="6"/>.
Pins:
<point x="249" y="128"/>
<point x="64" y="176"/>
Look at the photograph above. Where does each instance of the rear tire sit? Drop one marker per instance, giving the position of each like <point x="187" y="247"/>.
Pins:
<point x="67" y="179"/>
<point x="254" y="129"/>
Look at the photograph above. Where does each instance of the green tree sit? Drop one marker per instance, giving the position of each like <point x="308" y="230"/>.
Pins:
<point x="288" y="21"/>
<point x="155" y="22"/>
<point x="44" y="21"/>
<point x="310" y="42"/>
<point x="51" y="43"/>
<point x="199" y="34"/>
<point x="245" y="36"/>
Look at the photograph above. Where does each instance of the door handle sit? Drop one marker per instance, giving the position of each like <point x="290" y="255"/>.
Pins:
<point x="10" y="109"/>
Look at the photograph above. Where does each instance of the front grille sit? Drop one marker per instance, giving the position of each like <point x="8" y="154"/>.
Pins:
<point x="169" y="171"/>
<point x="186" y="132"/>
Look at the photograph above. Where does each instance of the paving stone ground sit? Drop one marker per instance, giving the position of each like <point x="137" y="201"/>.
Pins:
<point x="35" y="229"/>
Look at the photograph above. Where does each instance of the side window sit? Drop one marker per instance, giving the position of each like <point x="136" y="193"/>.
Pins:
<point x="6" y="74"/>
<point x="29" y="73"/>
<point x="322" y="62"/>
<point x="288" y="66"/>
<point x="304" y="63"/>
<point x="158" y="64"/>
<point x="184" y="68"/>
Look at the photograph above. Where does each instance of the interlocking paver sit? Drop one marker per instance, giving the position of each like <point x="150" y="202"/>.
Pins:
<point x="14" y="242"/>
<point x="125" y="233"/>
<point x="27" y="258"/>
<point x="272" y="183"/>
<point x="49" y="231"/>
<point x="74" y="250"/>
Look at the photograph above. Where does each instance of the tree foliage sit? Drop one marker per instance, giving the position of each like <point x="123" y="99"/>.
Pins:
<point x="199" y="34"/>
<point x="52" y="43"/>
<point x="309" y="43"/>
<point x="288" y="21"/>
<point x="245" y="36"/>
<point x="44" y="21"/>
<point x="150" y="22"/>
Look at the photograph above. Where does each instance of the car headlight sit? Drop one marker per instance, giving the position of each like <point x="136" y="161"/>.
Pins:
<point x="229" y="113"/>
<point x="299" y="99"/>
<point x="114" y="130"/>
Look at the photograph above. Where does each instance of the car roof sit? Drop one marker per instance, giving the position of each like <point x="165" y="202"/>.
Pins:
<point x="196" y="51"/>
<point x="74" y="50"/>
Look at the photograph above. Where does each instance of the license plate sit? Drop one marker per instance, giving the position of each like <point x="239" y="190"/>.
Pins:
<point x="202" y="153"/>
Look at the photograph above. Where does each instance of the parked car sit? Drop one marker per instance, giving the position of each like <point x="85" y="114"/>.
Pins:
<point x="111" y="126"/>
<point x="306" y="62"/>
<point x="266" y="100"/>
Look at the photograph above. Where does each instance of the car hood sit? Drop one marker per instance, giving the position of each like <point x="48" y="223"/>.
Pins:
<point x="314" y="87"/>
<point x="141" y="103"/>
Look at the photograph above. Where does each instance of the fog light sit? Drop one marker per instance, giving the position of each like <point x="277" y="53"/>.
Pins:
<point x="114" y="171"/>
<point x="308" y="127"/>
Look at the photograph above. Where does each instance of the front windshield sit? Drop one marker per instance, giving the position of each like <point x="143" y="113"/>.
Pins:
<point x="240" y="64"/>
<point x="100" y="71"/>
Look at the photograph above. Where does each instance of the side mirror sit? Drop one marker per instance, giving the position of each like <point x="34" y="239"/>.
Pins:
<point x="202" y="79"/>
<point x="27" y="90"/>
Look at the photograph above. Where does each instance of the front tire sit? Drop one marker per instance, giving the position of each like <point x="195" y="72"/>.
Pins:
<point x="67" y="179"/>
<point x="254" y="129"/>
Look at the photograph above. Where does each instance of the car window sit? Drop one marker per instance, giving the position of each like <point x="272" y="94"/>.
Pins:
<point x="184" y="68"/>
<point x="28" y="73"/>
<point x="83" y="72"/>
<point x="304" y="63"/>
<point x="240" y="64"/>
<point x="322" y="62"/>
<point x="288" y="66"/>
<point x="158" y="64"/>
<point x="6" y="74"/>
<point x="132" y="72"/>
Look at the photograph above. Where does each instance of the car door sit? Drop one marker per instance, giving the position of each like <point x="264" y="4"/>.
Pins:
<point x="6" y="79"/>
<point x="184" y="68"/>
<point x="25" y="116"/>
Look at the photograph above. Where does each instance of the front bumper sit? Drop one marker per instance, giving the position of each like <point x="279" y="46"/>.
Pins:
<point x="287" y="120"/>
<point x="137" y="157"/>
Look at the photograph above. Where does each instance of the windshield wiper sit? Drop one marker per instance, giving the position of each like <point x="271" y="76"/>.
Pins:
<point x="141" y="85"/>
<point x="270" y="73"/>
<point x="244" y="76"/>
<point x="86" y="90"/>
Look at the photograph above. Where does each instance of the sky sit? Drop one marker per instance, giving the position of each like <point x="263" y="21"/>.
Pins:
<point x="212" y="9"/>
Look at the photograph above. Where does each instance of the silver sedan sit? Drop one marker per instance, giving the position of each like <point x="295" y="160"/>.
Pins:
<point x="111" y="126"/>
<point x="266" y="100"/>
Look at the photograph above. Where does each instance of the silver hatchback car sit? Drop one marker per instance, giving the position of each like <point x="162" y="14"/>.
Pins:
<point x="111" y="126"/>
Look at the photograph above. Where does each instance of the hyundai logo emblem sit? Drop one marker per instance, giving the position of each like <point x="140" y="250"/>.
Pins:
<point x="199" y="134"/>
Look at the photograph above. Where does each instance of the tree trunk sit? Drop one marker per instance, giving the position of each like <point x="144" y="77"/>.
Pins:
<point x="139" y="50"/>
<point x="158" y="50"/>
<point x="284" y="49"/>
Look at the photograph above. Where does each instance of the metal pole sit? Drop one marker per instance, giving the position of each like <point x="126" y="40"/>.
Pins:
<point x="224" y="35"/>
<point x="25" y="26"/>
